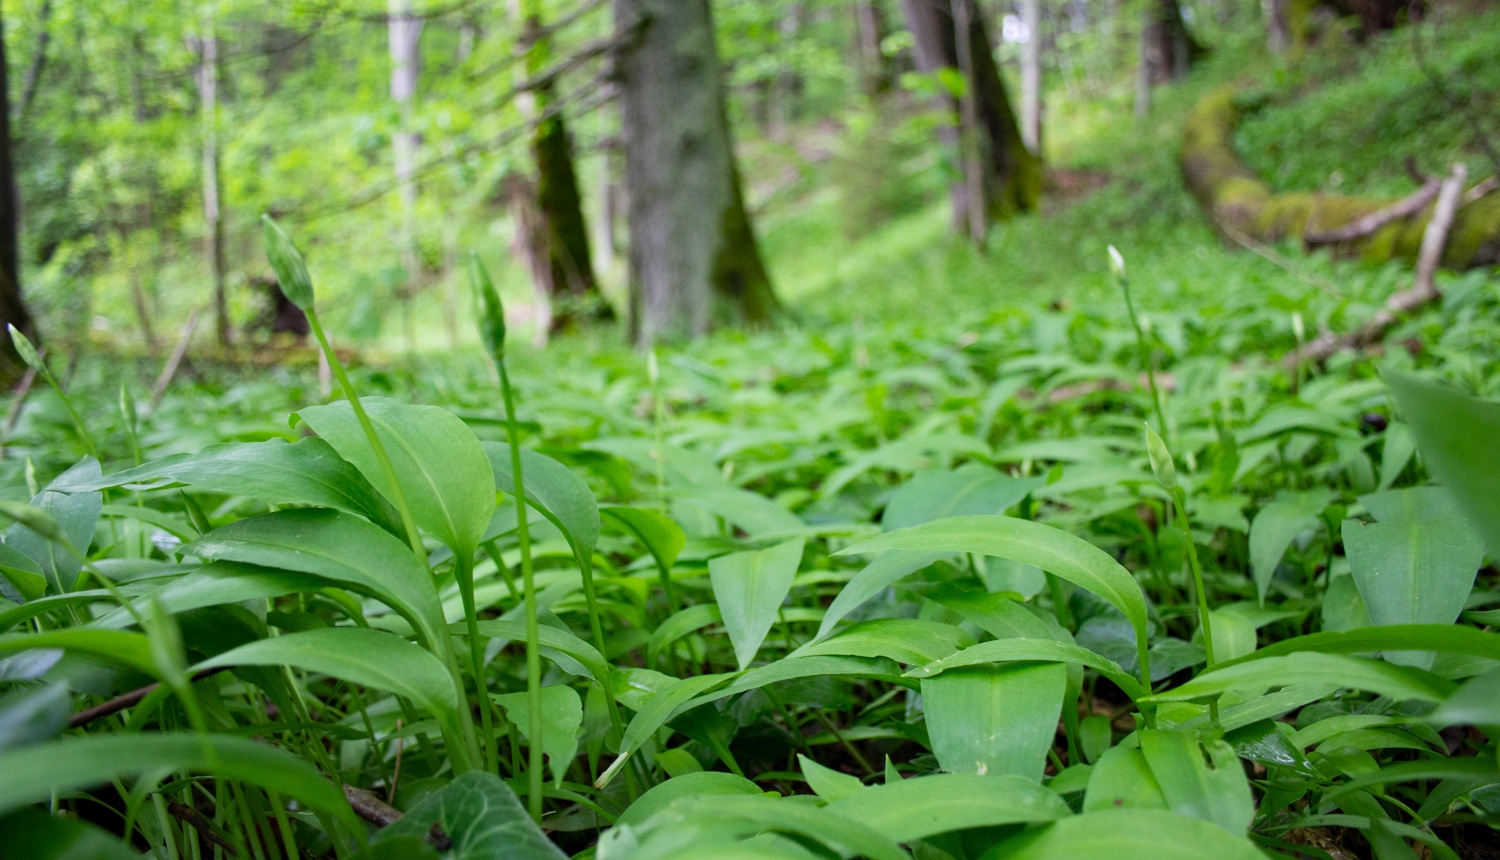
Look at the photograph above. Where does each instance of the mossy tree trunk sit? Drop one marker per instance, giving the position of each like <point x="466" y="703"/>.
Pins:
<point x="568" y="280"/>
<point x="1241" y="205"/>
<point x="694" y="262"/>
<point x="12" y="309"/>
<point x="1012" y="180"/>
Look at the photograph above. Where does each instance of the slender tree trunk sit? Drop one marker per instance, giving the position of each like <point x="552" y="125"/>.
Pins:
<point x="572" y="288"/>
<point x="213" y="218"/>
<point x="12" y="309"/>
<point x="33" y="77"/>
<point x="788" y="82"/>
<point x="404" y="30"/>
<point x="971" y="141"/>
<point x="693" y="257"/>
<point x="1031" y="76"/>
<point x="1278" y="30"/>
<point x="874" y="66"/>
<point x="1013" y="178"/>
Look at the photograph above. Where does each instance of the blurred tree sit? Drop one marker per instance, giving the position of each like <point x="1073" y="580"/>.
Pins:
<point x="12" y="308"/>
<point x="1001" y="176"/>
<point x="1168" y="50"/>
<point x="567" y="280"/>
<point x="1031" y="76"/>
<point x="694" y="263"/>
<point x="874" y="65"/>
<point x="207" y="45"/>
<point x="405" y="31"/>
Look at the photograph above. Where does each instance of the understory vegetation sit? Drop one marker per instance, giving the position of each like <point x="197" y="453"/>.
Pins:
<point x="1052" y="550"/>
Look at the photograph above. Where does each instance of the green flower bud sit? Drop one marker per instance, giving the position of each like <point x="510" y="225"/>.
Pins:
<point x="288" y="264"/>
<point x="1116" y="262"/>
<point x="488" y="311"/>
<point x="1161" y="460"/>
<point x="24" y="348"/>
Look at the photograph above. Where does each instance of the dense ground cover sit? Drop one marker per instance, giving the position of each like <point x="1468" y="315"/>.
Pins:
<point x="903" y="577"/>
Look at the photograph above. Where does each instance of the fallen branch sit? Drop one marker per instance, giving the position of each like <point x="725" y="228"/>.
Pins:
<point x="1369" y="224"/>
<point x="128" y="700"/>
<point x="213" y="835"/>
<point x="1482" y="189"/>
<point x="371" y="808"/>
<point x="1422" y="291"/>
<point x="17" y="404"/>
<point x="171" y="369"/>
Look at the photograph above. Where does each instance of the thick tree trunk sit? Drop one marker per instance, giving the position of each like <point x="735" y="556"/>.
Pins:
<point x="874" y="65"/>
<point x="693" y="258"/>
<point x="1168" y="48"/>
<point x="1013" y="175"/>
<point x="12" y="309"/>
<point x="1031" y="76"/>
<point x="213" y="218"/>
<point x="571" y="287"/>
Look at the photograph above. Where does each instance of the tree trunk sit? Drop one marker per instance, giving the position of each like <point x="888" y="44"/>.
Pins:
<point x="786" y="87"/>
<point x="1013" y="180"/>
<point x="571" y="286"/>
<point x="213" y="219"/>
<point x="1031" y="76"/>
<point x="12" y="309"/>
<point x="404" y="30"/>
<point x="1277" y="29"/>
<point x="1168" y="49"/>
<point x="874" y="66"/>
<point x="38" y="61"/>
<point x="693" y="257"/>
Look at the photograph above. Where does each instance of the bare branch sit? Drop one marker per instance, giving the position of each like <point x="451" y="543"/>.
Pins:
<point x="1372" y="222"/>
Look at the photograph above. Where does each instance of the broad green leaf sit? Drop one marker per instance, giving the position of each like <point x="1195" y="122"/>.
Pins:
<point x="1476" y="702"/>
<point x="1459" y="439"/>
<point x="905" y="640"/>
<point x="1126" y="834"/>
<point x="1276" y="526"/>
<point x="76" y="513"/>
<point x="995" y="614"/>
<point x="1027" y="650"/>
<point x="1210" y="788"/>
<point x="1395" y="453"/>
<point x="698" y="784"/>
<point x="1234" y="634"/>
<point x="32" y="834"/>
<point x="173" y="524"/>
<point x="548" y="637"/>
<point x="21" y="578"/>
<point x="874" y="578"/>
<point x="345" y="549"/>
<point x="440" y="465"/>
<point x="657" y="710"/>
<point x="1254" y="676"/>
<point x="562" y="715"/>
<point x="1121" y="779"/>
<point x="915" y="809"/>
<point x="994" y="720"/>
<point x="1413" y="572"/>
<point x="693" y="618"/>
<point x="305" y="472"/>
<point x="828" y="783"/>
<point x="791" y="668"/>
<point x="119" y="647"/>
<point x="750" y="815"/>
<point x="482" y="816"/>
<point x="968" y="490"/>
<point x="1343" y="608"/>
<point x="749" y="588"/>
<point x="359" y="655"/>
<point x="662" y="537"/>
<point x="32" y="715"/>
<point x="33" y="774"/>
<point x="1412" y="505"/>
<point x="1446" y="638"/>
<point x="1051" y="549"/>
<point x="1095" y="736"/>
<point x="757" y="515"/>
<point x="554" y="490"/>
<point x="216" y="584"/>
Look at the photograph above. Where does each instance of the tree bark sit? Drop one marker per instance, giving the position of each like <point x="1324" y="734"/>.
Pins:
<point x="874" y="65"/>
<point x="12" y="308"/>
<point x="404" y="30"/>
<point x="693" y="257"/>
<point x="213" y="219"/>
<point x="1013" y="175"/>
<point x="38" y="61"/>
<point x="571" y="286"/>
<point x="1278" y="31"/>
<point x="1168" y="48"/>
<point x="1031" y="76"/>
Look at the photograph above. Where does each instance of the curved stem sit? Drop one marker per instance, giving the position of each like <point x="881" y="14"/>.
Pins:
<point x="465" y="576"/>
